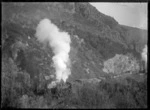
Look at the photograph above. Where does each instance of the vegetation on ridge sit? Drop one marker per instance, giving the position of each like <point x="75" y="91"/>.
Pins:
<point x="27" y="65"/>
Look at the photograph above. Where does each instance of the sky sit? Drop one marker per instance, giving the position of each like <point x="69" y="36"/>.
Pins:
<point x="130" y="14"/>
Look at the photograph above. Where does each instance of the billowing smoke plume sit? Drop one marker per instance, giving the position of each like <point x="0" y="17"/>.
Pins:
<point x="46" y="31"/>
<point x="144" y="55"/>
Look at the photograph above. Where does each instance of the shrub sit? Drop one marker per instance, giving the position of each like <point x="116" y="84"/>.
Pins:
<point x="9" y="85"/>
<point x="91" y="97"/>
<point x="14" y="83"/>
<point x="32" y="102"/>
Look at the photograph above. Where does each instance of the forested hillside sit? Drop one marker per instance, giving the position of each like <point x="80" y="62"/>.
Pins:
<point x="27" y="65"/>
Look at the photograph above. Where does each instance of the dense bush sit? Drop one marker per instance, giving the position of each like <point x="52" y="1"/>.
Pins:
<point x="32" y="102"/>
<point x="11" y="89"/>
<point x="110" y="95"/>
<point x="15" y="84"/>
<point x="17" y="92"/>
<point x="91" y="97"/>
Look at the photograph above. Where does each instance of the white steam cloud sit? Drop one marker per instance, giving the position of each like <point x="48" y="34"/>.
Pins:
<point x="59" y="41"/>
<point x="144" y="55"/>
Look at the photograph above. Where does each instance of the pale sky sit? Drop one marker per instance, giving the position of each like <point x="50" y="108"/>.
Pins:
<point x="130" y="14"/>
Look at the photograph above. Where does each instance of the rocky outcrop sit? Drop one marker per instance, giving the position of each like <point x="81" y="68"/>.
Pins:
<point x="120" y="64"/>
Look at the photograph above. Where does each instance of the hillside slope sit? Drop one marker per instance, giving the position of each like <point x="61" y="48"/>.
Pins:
<point x="95" y="38"/>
